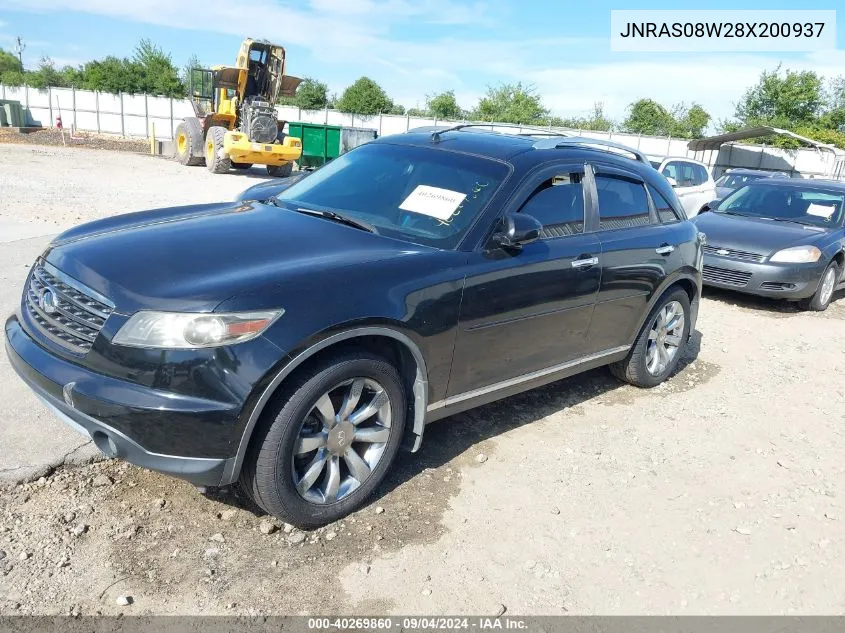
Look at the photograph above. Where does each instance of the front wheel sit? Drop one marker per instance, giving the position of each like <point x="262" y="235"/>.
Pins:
<point x="819" y="301"/>
<point x="329" y="441"/>
<point x="660" y="344"/>
<point x="217" y="161"/>
<point x="280" y="171"/>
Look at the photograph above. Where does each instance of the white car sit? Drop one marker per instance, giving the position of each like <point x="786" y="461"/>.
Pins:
<point x="690" y="179"/>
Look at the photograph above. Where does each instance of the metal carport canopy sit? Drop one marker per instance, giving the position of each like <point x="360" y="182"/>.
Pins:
<point x="715" y="142"/>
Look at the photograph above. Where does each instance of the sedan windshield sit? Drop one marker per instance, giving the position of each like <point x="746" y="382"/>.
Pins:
<point x="420" y="194"/>
<point x="732" y="181"/>
<point x="813" y="205"/>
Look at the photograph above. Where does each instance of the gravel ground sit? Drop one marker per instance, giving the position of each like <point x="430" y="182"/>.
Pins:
<point x="719" y="492"/>
<point x="59" y="187"/>
<point x="87" y="140"/>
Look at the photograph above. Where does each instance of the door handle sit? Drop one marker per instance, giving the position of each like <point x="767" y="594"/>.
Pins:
<point x="664" y="250"/>
<point x="583" y="263"/>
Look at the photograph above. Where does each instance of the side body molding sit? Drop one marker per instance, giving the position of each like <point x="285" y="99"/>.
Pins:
<point x="420" y="390"/>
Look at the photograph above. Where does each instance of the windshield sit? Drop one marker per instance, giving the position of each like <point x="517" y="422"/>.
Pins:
<point x="421" y="194"/>
<point x="806" y="205"/>
<point x="734" y="181"/>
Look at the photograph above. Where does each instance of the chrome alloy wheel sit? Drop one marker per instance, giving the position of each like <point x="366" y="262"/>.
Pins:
<point x="341" y="440"/>
<point x="665" y="338"/>
<point x="828" y="283"/>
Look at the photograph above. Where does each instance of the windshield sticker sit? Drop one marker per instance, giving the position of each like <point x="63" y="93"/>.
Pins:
<point x="821" y="210"/>
<point x="433" y="201"/>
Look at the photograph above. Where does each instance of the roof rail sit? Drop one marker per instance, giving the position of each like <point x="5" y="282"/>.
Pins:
<point x="532" y="131"/>
<point x="598" y="143"/>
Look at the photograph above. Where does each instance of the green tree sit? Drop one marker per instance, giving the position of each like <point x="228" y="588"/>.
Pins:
<point x="9" y="63"/>
<point x="689" y="122"/>
<point x="112" y="74"/>
<point x="397" y="109"/>
<point x="13" y="78"/>
<point x="417" y="112"/>
<point x="782" y="99"/>
<point x="158" y="74"/>
<point x="366" y="97"/>
<point x="646" y="116"/>
<point x="311" y="94"/>
<point x="596" y="121"/>
<point x="511" y="103"/>
<point x="444" y="106"/>
<point x="46" y="75"/>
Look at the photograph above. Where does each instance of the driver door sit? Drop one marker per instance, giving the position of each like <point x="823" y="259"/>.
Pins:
<point x="529" y="310"/>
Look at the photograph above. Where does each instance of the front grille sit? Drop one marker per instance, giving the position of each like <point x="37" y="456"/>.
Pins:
<point x="725" y="276"/>
<point x="64" y="310"/>
<point x="732" y="253"/>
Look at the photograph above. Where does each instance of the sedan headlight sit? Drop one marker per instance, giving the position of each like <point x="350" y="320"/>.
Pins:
<point x="797" y="255"/>
<point x="174" y="330"/>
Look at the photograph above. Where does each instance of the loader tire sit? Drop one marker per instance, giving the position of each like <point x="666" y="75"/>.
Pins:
<point x="189" y="149"/>
<point x="280" y="171"/>
<point x="216" y="161"/>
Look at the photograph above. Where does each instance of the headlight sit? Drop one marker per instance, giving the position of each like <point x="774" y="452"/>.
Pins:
<point x="174" y="330"/>
<point x="797" y="255"/>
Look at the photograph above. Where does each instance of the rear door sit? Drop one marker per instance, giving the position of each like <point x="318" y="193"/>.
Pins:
<point x="530" y="310"/>
<point x="637" y="252"/>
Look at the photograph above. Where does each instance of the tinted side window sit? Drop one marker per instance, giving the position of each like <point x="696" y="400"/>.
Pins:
<point x="558" y="204"/>
<point x="622" y="203"/>
<point x="681" y="171"/>
<point x="663" y="208"/>
<point x="699" y="174"/>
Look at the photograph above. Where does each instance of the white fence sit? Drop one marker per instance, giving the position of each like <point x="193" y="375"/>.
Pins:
<point x="135" y="115"/>
<point x="102" y="112"/>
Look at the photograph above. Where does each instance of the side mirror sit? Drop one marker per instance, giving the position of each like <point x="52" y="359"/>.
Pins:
<point x="710" y="205"/>
<point x="517" y="230"/>
<point x="672" y="182"/>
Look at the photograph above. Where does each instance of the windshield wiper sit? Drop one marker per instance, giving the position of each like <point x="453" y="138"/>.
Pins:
<point x="789" y="220"/>
<point x="338" y="217"/>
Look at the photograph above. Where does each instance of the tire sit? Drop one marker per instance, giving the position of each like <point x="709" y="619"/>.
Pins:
<point x="827" y="284"/>
<point x="637" y="368"/>
<point x="280" y="171"/>
<point x="216" y="162"/>
<point x="272" y="471"/>
<point x="241" y="165"/>
<point x="188" y="141"/>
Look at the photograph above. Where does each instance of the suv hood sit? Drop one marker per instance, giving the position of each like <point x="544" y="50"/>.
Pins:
<point x="754" y="235"/>
<point x="193" y="258"/>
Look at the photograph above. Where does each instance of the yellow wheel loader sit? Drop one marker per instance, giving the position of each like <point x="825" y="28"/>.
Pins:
<point x="236" y="124"/>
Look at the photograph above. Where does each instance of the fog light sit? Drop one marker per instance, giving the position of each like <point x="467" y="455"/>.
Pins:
<point x="105" y="444"/>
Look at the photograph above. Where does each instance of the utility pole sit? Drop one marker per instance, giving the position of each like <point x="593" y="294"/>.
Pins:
<point x="19" y="48"/>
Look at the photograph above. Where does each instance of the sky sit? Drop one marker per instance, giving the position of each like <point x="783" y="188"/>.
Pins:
<point x="417" y="47"/>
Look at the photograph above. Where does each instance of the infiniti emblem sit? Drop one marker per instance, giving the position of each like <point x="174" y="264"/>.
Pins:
<point x="722" y="252"/>
<point x="47" y="302"/>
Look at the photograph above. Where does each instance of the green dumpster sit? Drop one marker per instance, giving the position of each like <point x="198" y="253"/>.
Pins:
<point x="321" y="143"/>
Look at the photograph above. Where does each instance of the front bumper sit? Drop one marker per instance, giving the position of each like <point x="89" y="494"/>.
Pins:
<point x="241" y="150"/>
<point x="78" y="397"/>
<point x="786" y="281"/>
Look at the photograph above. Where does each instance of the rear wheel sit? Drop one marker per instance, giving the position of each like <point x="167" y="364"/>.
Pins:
<point x="280" y="171"/>
<point x="329" y="441"/>
<point x="189" y="149"/>
<point x="819" y="301"/>
<point x="216" y="161"/>
<point x="660" y="344"/>
<point x="241" y="165"/>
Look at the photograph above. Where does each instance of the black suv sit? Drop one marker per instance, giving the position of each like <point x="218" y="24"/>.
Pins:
<point x="295" y="343"/>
